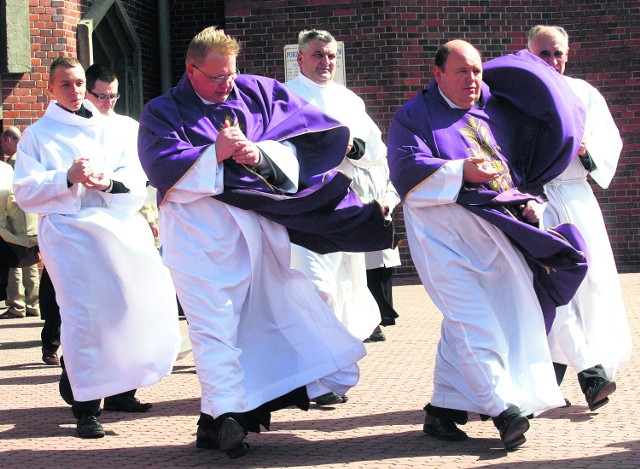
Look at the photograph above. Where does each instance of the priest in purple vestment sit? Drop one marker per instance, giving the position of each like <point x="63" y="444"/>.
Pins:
<point x="243" y="167"/>
<point x="469" y="162"/>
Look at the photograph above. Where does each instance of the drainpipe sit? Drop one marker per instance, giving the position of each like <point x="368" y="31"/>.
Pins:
<point x="164" y="46"/>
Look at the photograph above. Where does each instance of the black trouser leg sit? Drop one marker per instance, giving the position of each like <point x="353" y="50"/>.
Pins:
<point x="379" y="282"/>
<point x="50" y="312"/>
<point x="560" y="369"/>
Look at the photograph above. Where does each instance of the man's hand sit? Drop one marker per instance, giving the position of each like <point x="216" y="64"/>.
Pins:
<point x="583" y="147"/>
<point x="80" y="170"/>
<point x="532" y="211"/>
<point x="232" y="143"/>
<point x="247" y="153"/>
<point x="97" y="181"/>
<point x="473" y="172"/>
<point x="350" y="145"/>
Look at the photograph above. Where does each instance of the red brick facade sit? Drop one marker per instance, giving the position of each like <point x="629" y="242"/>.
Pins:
<point x="389" y="49"/>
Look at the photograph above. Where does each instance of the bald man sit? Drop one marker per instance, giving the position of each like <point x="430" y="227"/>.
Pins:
<point x="451" y="142"/>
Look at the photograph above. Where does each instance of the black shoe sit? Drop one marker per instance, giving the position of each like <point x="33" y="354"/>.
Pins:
<point x="225" y="433"/>
<point x="89" y="426"/>
<point x="125" y="404"/>
<point x="345" y="398"/>
<point x="597" y="391"/>
<point x="442" y="429"/>
<point x="512" y="425"/>
<point x="377" y="336"/>
<point x="329" y="398"/>
<point x="567" y="403"/>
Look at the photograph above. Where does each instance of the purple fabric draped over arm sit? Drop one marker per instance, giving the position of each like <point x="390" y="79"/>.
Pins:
<point x="536" y="124"/>
<point x="324" y="215"/>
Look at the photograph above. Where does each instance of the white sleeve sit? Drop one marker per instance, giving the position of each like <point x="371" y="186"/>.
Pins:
<point x="204" y="179"/>
<point x="442" y="187"/>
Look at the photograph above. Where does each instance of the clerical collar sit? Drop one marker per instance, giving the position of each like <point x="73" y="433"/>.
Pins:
<point x="312" y="84"/>
<point x="451" y="103"/>
<point x="82" y="112"/>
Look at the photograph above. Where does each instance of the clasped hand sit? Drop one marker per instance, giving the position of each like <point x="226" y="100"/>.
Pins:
<point x="232" y="143"/>
<point x="81" y="172"/>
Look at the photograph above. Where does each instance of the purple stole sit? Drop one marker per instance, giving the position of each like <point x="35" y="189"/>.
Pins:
<point x="324" y="215"/>
<point x="527" y="126"/>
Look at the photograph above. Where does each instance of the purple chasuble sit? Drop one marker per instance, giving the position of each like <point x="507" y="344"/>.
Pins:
<point x="527" y="126"/>
<point x="325" y="215"/>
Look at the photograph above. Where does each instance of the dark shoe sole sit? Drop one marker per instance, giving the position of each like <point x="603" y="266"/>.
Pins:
<point x="90" y="435"/>
<point x="602" y="398"/>
<point x="140" y="409"/>
<point x="239" y="451"/>
<point x="330" y="398"/>
<point x="231" y="434"/>
<point x="449" y="436"/>
<point x="514" y="434"/>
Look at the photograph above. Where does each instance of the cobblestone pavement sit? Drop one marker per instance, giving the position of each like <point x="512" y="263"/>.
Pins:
<point x="380" y="426"/>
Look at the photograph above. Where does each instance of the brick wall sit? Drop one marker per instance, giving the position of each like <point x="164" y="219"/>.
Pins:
<point x="389" y="51"/>
<point x="52" y="24"/>
<point x="390" y="45"/>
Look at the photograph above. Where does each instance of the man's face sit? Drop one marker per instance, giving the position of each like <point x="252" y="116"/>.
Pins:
<point x="102" y="90"/>
<point x="460" y="79"/>
<point x="9" y="145"/>
<point x="552" y="48"/>
<point x="213" y="78"/>
<point x="318" y="61"/>
<point x="68" y="86"/>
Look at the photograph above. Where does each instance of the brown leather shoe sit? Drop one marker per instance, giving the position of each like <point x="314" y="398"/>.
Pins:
<point x="51" y="359"/>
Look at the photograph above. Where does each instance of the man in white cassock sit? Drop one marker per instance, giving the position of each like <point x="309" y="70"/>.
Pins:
<point x="263" y="339"/>
<point x="340" y="277"/>
<point x="117" y="302"/>
<point x="591" y="333"/>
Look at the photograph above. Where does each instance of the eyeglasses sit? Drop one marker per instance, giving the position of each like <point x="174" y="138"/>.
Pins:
<point x="105" y="97"/>
<point x="220" y="78"/>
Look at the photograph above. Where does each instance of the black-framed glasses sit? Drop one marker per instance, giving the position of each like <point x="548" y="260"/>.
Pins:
<point x="220" y="78"/>
<point x="105" y="97"/>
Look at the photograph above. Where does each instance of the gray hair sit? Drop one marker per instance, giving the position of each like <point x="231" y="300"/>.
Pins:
<point x="308" y="35"/>
<point x="533" y="32"/>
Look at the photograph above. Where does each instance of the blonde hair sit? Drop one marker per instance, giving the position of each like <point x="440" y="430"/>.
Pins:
<point x="209" y="40"/>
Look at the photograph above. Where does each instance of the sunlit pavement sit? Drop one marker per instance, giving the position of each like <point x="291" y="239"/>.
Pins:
<point x="380" y="426"/>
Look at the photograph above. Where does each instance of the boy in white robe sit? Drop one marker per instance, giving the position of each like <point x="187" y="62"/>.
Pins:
<point x="119" y="323"/>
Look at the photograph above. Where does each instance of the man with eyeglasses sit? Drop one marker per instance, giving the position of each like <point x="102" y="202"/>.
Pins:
<point x="82" y="176"/>
<point x="236" y="160"/>
<point x="591" y="333"/>
<point x="343" y="278"/>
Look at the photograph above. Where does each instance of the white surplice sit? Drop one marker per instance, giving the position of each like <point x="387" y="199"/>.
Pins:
<point x="120" y="327"/>
<point x="258" y="328"/>
<point x="493" y="350"/>
<point x="341" y="277"/>
<point x="593" y="327"/>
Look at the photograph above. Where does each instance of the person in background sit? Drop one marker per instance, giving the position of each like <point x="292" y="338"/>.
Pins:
<point x="23" y="282"/>
<point x="591" y="333"/>
<point x="340" y="277"/>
